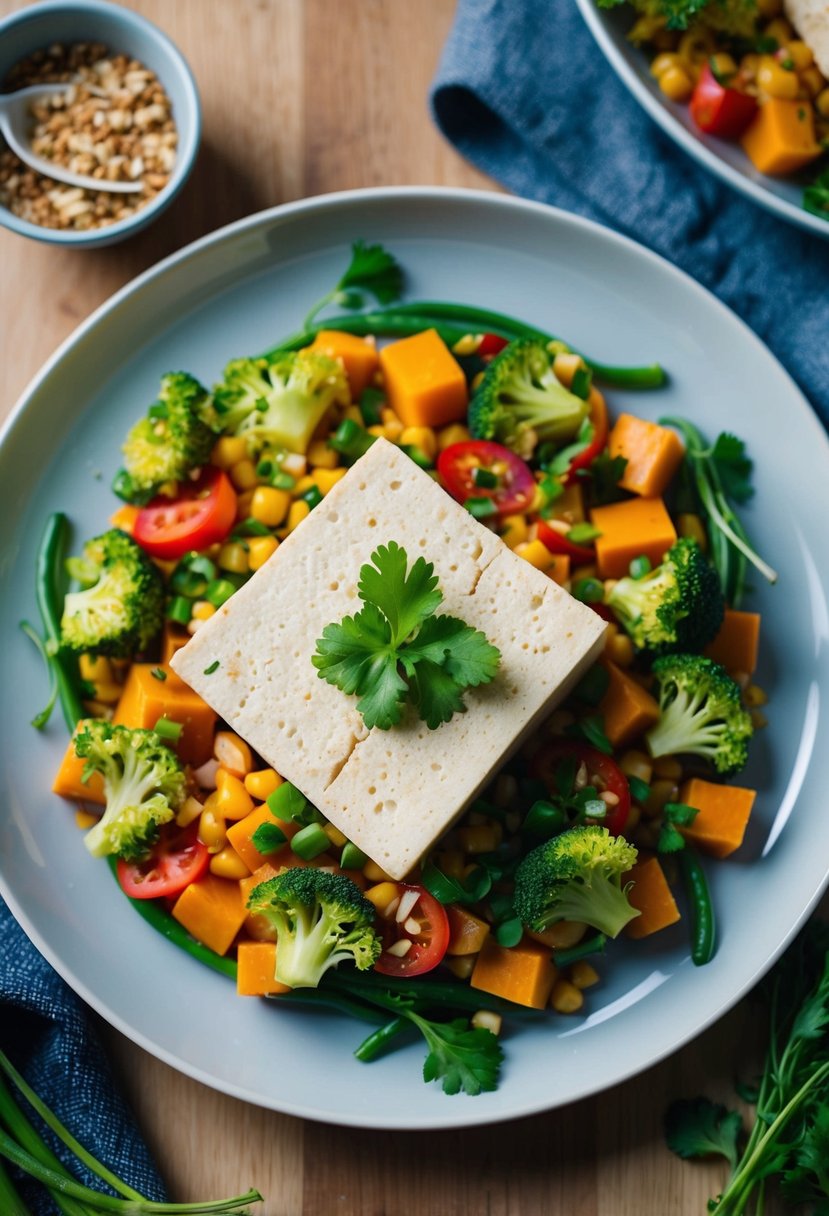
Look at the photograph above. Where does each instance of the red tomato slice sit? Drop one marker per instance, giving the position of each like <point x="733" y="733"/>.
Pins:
<point x="202" y="515"/>
<point x="178" y="858"/>
<point x="602" y="771"/>
<point x="718" y="109"/>
<point x="515" y="491"/>
<point x="557" y="542"/>
<point x="428" y="944"/>
<point x="598" y="418"/>
<point x="492" y="344"/>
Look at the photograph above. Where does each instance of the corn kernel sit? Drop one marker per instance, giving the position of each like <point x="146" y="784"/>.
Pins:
<point x="233" y="753"/>
<point x="661" y="64"/>
<point x="667" y="766"/>
<point x="422" y="437"/>
<point x="480" y="838"/>
<point x="203" y="610"/>
<point x="485" y="1019"/>
<point x="662" y="790"/>
<point x="565" y="367"/>
<point x="536" y="553"/>
<point x="775" y="80"/>
<point x="189" y="810"/>
<point x="560" y="936"/>
<point x="676" y="84"/>
<point x="228" y="451"/>
<point x="243" y="475"/>
<point x="83" y="819"/>
<point x="452" y="434"/>
<point x="754" y="696"/>
<point x="780" y="30"/>
<point x="800" y="54"/>
<point x="822" y="103"/>
<point x="513" y="530"/>
<point x="233" y="557"/>
<point x="697" y="46"/>
<point x="583" y="974"/>
<point x="691" y="525"/>
<point x="321" y="456"/>
<point x="260" y="548"/>
<point x="566" y="997"/>
<point x="375" y="873"/>
<point x="228" y="864"/>
<point x="212" y="828"/>
<point x="636" y="764"/>
<point x="326" y="479"/>
<point x="124" y="518"/>
<point x="354" y="414"/>
<point x="269" y="506"/>
<point x="244" y="502"/>
<point x="382" y="894"/>
<point x="232" y="800"/>
<point x="619" y="649"/>
<point x="467" y="345"/>
<point x="262" y="783"/>
<point x="461" y="965"/>
<point x="298" y="511"/>
<point x="722" y="64"/>
<point x="107" y="692"/>
<point x="95" y="668"/>
<point x="813" y="81"/>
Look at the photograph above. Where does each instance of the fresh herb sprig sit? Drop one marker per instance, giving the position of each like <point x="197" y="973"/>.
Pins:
<point x="396" y="649"/>
<point x="789" y="1139"/>
<point x="372" y="271"/>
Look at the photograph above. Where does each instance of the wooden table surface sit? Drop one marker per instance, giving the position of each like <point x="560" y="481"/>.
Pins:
<point x="302" y="98"/>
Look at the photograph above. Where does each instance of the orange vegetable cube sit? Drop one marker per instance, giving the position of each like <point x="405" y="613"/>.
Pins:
<point x="627" y="708"/>
<point x="425" y="384"/>
<point x="68" y="782"/>
<point x="559" y="571"/>
<point x="651" y="894"/>
<point x="172" y="639"/>
<point x="256" y="967"/>
<point x="467" y="932"/>
<point x="145" y="699"/>
<point x="723" y="814"/>
<point x="212" y="911"/>
<point x="781" y="136"/>
<point x="240" y="835"/>
<point x="358" y="357"/>
<point x="636" y="528"/>
<point x="737" y="642"/>
<point x="524" y="974"/>
<point x="653" y="454"/>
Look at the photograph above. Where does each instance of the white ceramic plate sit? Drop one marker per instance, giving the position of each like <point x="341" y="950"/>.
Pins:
<point x="240" y="290"/>
<point x="780" y="195"/>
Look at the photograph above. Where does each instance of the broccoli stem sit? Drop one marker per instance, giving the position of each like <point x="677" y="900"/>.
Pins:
<point x="403" y="320"/>
<point x="50" y="589"/>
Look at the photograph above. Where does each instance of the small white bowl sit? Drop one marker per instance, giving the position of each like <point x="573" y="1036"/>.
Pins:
<point x="121" y="30"/>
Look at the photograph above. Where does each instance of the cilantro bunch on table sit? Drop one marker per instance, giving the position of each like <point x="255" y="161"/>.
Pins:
<point x="395" y="649"/>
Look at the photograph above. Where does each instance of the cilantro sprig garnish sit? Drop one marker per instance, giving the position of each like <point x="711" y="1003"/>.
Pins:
<point x="395" y="649"/>
<point x="372" y="271"/>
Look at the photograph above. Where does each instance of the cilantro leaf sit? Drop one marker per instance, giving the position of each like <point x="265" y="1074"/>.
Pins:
<point x="395" y="647"/>
<point x="268" y="838"/>
<point x="816" y="196"/>
<point x="464" y="1059"/>
<point x="733" y="466"/>
<point x="696" y="1127"/>
<point x="670" y="840"/>
<point x="373" y="269"/>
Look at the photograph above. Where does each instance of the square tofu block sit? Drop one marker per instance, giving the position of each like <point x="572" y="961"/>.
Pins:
<point x="392" y="792"/>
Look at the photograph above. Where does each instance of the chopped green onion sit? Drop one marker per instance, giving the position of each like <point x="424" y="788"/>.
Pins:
<point x="371" y="400"/>
<point x="581" y="534"/>
<point x="158" y="674"/>
<point x="581" y="383"/>
<point x="417" y="455"/>
<point x="214" y="666"/>
<point x="313" y="497"/>
<point x="191" y="575"/>
<point x="589" y="590"/>
<point x="219" y="591"/>
<point x="169" y="730"/>
<point x="251" y="527"/>
<point x="509" y="932"/>
<point x="264" y="469"/>
<point x="640" y="566"/>
<point x="309" y="842"/>
<point x="639" y="789"/>
<point x="544" y="819"/>
<point x="125" y="488"/>
<point x="352" y="858"/>
<point x="560" y="463"/>
<point x="179" y="609"/>
<point x="286" y="802"/>
<point x="481" y="508"/>
<point x="351" y="440"/>
<point x="484" y="478"/>
<point x="282" y="480"/>
<point x="595" y="808"/>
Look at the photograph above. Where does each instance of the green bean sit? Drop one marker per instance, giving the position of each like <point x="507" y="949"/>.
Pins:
<point x="386" y="322"/>
<point x="50" y="589"/>
<point x="381" y="1039"/>
<point x="703" y="926"/>
<point x="590" y="945"/>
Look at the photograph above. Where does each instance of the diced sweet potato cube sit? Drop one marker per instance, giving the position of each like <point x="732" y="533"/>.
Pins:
<point x="68" y="782"/>
<point x="358" y="357"/>
<point x="240" y="835"/>
<point x="559" y="571"/>
<point x="639" y="527"/>
<point x="255" y="972"/>
<point x="628" y="709"/>
<point x="145" y="699"/>
<point x="524" y="974"/>
<point x="737" y="642"/>
<point x="212" y="911"/>
<point x="781" y="136"/>
<point x="467" y="932"/>
<point x="425" y="384"/>
<point x="723" y="814"/>
<point x="651" y="894"/>
<point x="172" y="639"/>
<point x="653" y="454"/>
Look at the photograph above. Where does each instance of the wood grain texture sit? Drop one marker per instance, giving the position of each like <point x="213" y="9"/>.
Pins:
<point x="303" y="98"/>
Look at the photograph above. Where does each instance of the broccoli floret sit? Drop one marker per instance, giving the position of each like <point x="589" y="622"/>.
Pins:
<point x="576" y="876"/>
<point x="120" y="609"/>
<point x="521" y="403"/>
<point x="144" y="785"/>
<point x="700" y="713"/>
<point x="678" y="606"/>
<point x="280" y="404"/>
<point x="320" y="920"/>
<point x="175" y="437"/>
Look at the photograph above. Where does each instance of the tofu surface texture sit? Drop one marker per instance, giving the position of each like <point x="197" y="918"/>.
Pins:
<point x="393" y="792"/>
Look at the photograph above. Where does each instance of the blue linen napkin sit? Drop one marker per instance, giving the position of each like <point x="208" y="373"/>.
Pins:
<point x="46" y="1032"/>
<point x="524" y="92"/>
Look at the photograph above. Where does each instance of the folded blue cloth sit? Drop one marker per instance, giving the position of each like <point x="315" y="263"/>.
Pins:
<point x="46" y="1032"/>
<point x="524" y="92"/>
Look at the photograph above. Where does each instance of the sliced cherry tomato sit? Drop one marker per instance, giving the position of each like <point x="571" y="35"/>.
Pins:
<point x="428" y="944"/>
<point x="602" y="771"/>
<point x="177" y="859"/>
<point x="515" y="488"/>
<point x="598" y="420"/>
<point x="557" y="542"/>
<point x="601" y="610"/>
<point x="491" y="344"/>
<point x="718" y="109"/>
<point x="202" y="515"/>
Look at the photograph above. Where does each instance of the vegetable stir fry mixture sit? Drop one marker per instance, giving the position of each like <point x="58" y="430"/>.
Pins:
<point x="583" y="833"/>
<point x="750" y="71"/>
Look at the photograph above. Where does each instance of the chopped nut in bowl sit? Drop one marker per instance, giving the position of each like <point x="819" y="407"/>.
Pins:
<point x="130" y="113"/>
